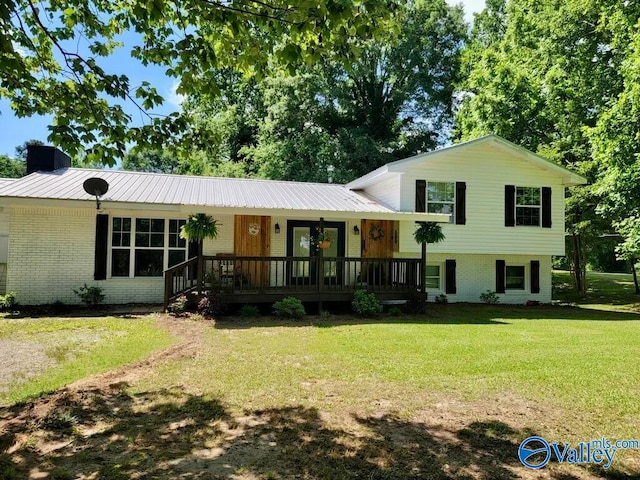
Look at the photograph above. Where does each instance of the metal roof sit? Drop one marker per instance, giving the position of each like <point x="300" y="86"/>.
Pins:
<point x="165" y="189"/>
<point x="6" y="181"/>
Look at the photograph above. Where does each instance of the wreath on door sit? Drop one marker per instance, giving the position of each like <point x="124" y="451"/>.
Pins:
<point x="376" y="232"/>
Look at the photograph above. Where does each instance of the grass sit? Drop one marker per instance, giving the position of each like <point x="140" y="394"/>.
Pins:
<point x="104" y="343"/>
<point x="605" y="291"/>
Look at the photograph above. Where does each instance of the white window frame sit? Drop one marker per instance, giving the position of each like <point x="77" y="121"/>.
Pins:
<point x="452" y="202"/>
<point x="525" y="287"/>
<point x="132" y="245"/>
<point x="440" y="276"/>
<point x="538" y="207"/>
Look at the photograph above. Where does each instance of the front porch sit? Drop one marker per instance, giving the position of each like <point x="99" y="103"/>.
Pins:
<point x="246" y="279"/>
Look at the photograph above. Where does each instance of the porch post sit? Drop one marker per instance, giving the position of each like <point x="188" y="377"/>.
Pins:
<point x="200" y="268"/>
<point x="423" y="266"/>
<point x="320" y="269"/>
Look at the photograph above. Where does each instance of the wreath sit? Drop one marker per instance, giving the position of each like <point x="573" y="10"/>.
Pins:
<point x="376" y="232"/>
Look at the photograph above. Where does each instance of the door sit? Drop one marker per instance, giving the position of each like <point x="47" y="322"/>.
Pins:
<point x="252" y="238"/>
<point x="302" y="242"/>
<point x="377" y="243"/>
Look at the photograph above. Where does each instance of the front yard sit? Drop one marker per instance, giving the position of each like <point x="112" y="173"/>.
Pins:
<point x="450" y="394"/>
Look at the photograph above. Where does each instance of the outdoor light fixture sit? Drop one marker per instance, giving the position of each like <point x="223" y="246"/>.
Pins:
<point x="277" y="228"/>
<point x="356" y="230"/>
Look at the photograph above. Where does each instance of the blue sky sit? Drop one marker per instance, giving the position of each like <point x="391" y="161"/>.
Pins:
<point x="14" y="131"/>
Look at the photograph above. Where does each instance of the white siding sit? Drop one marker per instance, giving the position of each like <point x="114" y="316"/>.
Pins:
<point x="387" y="191"/>
<point x="52" y="252"/>
<point x="4" y="247"/>
<point x="475" y="274"/>
<point x="486" y="169"/>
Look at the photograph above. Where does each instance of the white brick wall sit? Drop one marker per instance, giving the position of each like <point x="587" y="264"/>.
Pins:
<point x="475" y="274"/>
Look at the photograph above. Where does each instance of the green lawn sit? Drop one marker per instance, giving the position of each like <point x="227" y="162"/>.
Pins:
<point x="604" y="291"/>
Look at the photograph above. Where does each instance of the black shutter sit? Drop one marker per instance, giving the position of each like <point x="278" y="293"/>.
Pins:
<point x="102" y="242"/>
<point x="500" y="275"/>
<point x="461" y="203"/>
<point x="421" y="195"/>
<point x="450" y="276"/>
<point x="546" y="207"/>
<point x="192" y="249"/>
<point x="535" y="276"/>
<point x="509" y="206"/>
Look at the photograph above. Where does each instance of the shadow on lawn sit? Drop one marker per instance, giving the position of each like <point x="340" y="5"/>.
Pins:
<point x="453" y="314"/>
<point x="169" y="434"/>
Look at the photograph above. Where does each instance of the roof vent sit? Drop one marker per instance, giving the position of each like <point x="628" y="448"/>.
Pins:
<point x="46" y="159"/>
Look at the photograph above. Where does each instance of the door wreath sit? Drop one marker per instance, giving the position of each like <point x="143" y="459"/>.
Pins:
<point x="376" y="232"/>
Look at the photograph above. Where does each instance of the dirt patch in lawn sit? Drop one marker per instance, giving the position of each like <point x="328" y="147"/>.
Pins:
<point x="28" y="355"/>
<point x="98" y="429"/>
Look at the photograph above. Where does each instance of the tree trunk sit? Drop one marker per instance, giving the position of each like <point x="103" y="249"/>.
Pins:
<point x="578" y="269"/>
<point x="635" y="275"/>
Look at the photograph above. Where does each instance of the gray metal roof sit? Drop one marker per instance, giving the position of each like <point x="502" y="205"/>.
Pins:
<point x="164" y="189"/>
<point x="6" y="181"/>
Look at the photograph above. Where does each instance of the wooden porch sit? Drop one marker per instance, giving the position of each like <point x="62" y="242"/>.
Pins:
<point x="246" y="279"/>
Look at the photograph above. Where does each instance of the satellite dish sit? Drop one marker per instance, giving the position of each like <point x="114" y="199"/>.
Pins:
<point x="96" y="186"/>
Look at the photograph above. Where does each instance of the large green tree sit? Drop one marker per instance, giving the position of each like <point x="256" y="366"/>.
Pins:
<point x="338" y="121"/>
<point x="542" y="73"/>
<point x="51" y="57"/>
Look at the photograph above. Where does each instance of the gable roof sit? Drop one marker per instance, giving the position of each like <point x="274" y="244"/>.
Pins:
<point x="569" y="178"/>
<point x="163" y="190"/>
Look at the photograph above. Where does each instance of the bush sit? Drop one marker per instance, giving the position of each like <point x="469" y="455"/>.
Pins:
<point x="365" y="304"/>
<point x="212" y="305"/>
<point x="249" y="311"/>
<point x="179" y="305"/>
<point x="416" y="303"/>
<point x="90" y="296"/>
<point x="395" y="311"/>
<point x="289" y="307"/>
<point x="490" y="297"/>
<point x="442" y="299"/>
<point x="8" y="301"/>
<point x="325" y="314"/>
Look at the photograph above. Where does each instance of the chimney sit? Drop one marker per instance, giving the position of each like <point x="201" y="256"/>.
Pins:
<point x="46" y="159"/>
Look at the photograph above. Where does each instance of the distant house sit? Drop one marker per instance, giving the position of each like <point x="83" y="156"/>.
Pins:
<point x="502" y="209"/>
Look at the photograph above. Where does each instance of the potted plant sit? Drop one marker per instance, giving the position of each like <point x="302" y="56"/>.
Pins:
<point x="198" y="227"/>
<point x="323" y="239"/>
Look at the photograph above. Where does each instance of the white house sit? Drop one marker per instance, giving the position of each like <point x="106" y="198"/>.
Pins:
<point x="501" y="206"/>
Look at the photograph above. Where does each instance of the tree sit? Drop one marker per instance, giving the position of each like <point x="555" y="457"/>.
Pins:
<point x="341" y="121"/>
<point x="154" y="161"/>
<point x="21" y="150"/>
<point x="51" y="57"/>
<point x="542" y="74"/>
<point x="11" y="168"/>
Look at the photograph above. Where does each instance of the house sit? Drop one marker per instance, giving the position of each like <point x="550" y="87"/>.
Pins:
<point x="501" y="207"/>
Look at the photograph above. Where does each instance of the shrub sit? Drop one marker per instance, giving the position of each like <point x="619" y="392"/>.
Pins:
<point x="90" y="296"/>
<point x="415" y="304"/>
<point x="395" y="311"/>
<point x="212" y="305"/>
<point x="249" y="311"/>
<point x="179" y="305"/>
<point x="490" y="297"/>
<point x="325" y="314"/>
<point x="289" y="307"/>
<point x="442" y="299"/>
<point x="365" y="304"/>
<point x="8" y="301"/>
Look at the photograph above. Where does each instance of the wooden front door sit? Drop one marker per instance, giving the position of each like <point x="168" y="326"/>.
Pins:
<point x="376" y="242"/>
<point x="252" y="238"/>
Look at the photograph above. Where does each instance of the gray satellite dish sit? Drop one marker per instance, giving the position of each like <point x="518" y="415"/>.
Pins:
<point x="96" y="186"/>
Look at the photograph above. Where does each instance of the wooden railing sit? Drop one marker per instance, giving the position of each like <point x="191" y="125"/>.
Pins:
<point x="242" y="276"/>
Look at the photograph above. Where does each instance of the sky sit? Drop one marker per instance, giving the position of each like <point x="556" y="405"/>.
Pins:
<point x="15" y="131"/>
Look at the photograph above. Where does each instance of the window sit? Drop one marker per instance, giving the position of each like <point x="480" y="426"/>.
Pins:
<point x="528" y="206"/>
<point x="515" y="277"/>
<point x="121" y="247"/>
<point x="156" y="246"/>
<point x="432" y="277"/>
<point x="441" y="198"/>
<point x="177" y="245"/>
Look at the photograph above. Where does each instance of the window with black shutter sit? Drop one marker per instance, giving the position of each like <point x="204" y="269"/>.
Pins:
<point x="509" y="205"/>
<point x="535" y="276"/>
<point x="421" y="195"/>
<point x="461" y="203"/>
<point x="450" y="276"/>
<point x="500" y="276"/>
<point x="101" y="247"/>
<point x="546" y="207"/>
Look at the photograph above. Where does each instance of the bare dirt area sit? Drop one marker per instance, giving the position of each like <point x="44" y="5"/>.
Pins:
<point x="23" y="358"/>
<point x="97" y="429"/>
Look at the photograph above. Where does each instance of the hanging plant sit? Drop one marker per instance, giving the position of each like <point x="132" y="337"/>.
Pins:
<point x="376" y="232"/>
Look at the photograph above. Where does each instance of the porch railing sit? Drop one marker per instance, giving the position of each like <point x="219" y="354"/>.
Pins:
<point x="243" y="276"/>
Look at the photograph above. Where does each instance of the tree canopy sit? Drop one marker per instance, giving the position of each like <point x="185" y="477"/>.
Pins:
<point x="51" y="57"/>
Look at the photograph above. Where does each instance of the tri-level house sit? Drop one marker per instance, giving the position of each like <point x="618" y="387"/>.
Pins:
<point x="501" y="208"/>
